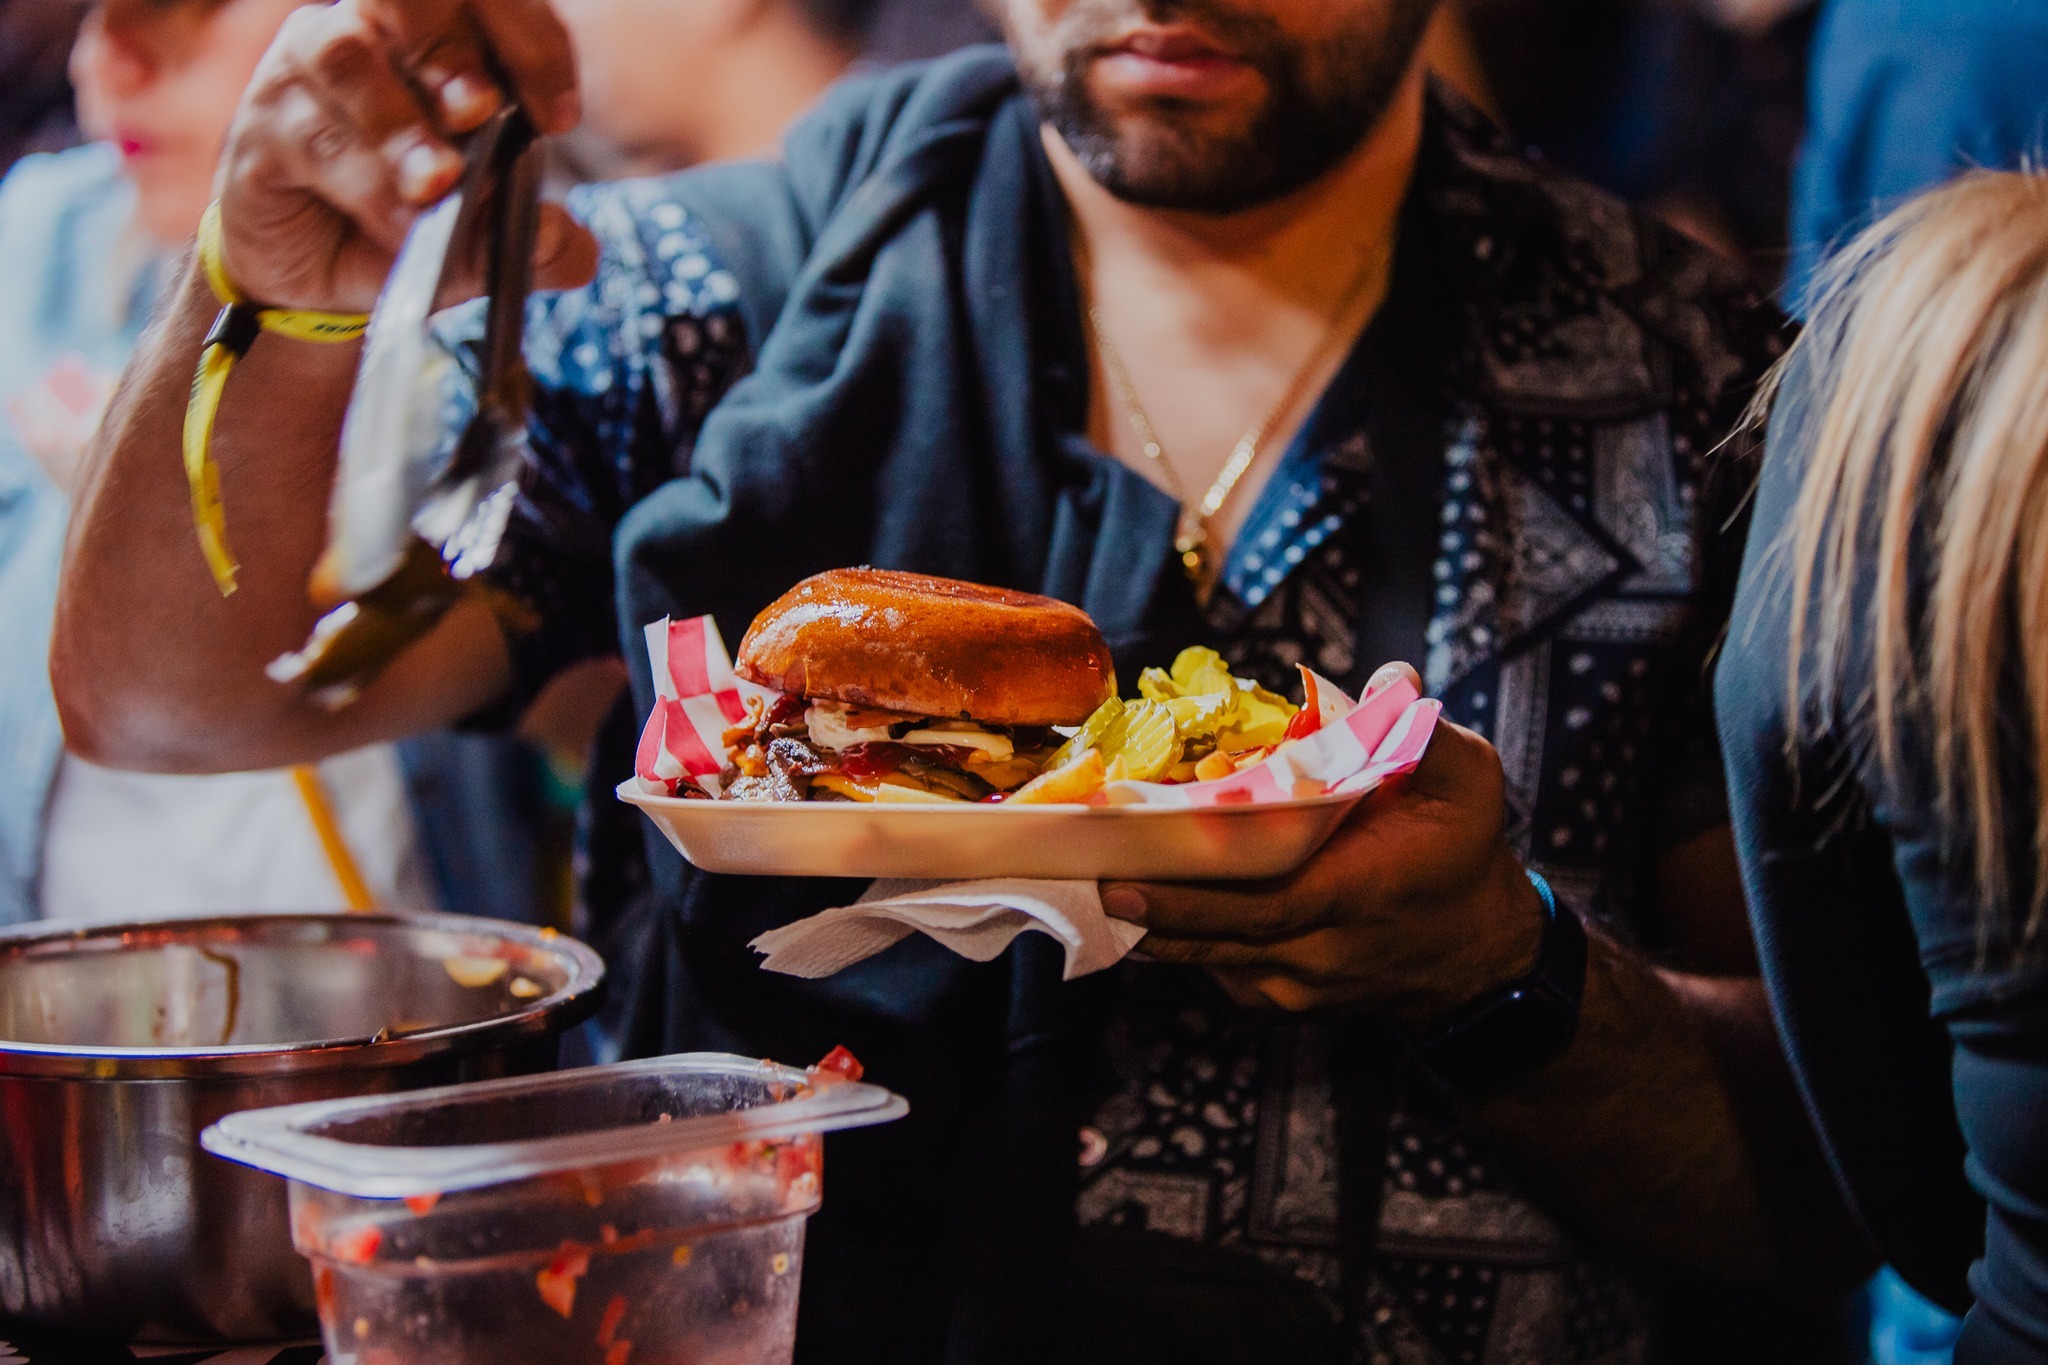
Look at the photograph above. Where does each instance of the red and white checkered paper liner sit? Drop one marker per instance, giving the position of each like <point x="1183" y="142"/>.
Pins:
<point x="698" y="698"/>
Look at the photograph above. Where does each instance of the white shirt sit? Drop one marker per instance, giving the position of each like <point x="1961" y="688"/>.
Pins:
<point x="119" y="845"/>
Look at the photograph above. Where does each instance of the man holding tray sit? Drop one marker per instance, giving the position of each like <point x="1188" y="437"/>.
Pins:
<point x="1212" y="318"/>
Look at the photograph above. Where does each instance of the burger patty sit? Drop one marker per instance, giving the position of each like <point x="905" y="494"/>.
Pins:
<point x="792" y="763"/>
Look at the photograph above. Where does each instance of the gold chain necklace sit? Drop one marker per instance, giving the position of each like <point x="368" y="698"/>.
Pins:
<point x="1191" y="536"/>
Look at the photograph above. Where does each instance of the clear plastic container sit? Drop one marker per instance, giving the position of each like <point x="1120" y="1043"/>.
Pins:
<point x="649" y="1213"/>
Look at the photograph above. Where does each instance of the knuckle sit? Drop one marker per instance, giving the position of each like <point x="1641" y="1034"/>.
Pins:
<point x="300" y="122"/>
<point x="346" y="59"/>
<point x="302" y="29"/>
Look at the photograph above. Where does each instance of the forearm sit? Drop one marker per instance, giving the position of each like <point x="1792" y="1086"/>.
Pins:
<point x="1672" y="1127"/>
<point x="153" y="667"/>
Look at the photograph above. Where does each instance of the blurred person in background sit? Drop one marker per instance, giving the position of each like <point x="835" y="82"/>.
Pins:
<point x="35" y="90"/>
<point x="87" y="238"/>
<point x="1883" y="709"/>
<point x="1690" y="108"/>
<point x="670" y="85"/>
<point x="1905" y="95"/>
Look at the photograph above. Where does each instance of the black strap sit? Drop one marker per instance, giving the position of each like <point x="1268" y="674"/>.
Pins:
<point x="1366" y="1059"/>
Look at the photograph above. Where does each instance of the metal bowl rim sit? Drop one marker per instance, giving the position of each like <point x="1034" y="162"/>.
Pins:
<point x="557" y="1011"/>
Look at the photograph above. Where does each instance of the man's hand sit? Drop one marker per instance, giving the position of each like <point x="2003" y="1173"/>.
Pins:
<point x="348" y="131"/>
<point x="1415" y="907"/>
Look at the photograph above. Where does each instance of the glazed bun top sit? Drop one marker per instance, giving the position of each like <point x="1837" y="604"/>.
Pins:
<point x="930" y="647"/>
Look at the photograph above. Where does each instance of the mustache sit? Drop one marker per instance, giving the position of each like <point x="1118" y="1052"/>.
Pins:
<point x="1098" y="25"/>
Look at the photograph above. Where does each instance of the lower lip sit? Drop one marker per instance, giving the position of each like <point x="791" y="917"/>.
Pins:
<point x="1191" y="78"/>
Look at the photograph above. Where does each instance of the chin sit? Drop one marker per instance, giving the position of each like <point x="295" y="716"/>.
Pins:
<point x="168" y="207"/>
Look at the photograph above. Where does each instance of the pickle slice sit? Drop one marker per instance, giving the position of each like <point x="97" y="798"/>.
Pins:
<point x="1156" y="684"/>
<point x="1201" y="717"/>
<point x="1095" y="733"/>
<point x="1151" y="741"/>
<point x="1198" y="671"/>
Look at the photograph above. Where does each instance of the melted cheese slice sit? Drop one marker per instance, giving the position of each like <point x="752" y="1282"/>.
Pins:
<point x="831" y="729"/>
<point x="883" y="791"/>
<point x="996" y="747"/>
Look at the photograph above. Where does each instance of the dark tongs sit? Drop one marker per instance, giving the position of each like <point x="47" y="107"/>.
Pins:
<point x="407" y="530"/>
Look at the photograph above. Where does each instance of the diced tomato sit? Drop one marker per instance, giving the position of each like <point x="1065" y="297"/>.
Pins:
<point x="422" y="1203"/>
<point x="614" y="1314"/>
<point x="798" y="1168"/>
<point x="557" y="1282"/>
<point x="323" y="1291"/>
<point x="618" y="1353"/>
<point x="841" y="1063"/>
<point x="357" y="1246"/>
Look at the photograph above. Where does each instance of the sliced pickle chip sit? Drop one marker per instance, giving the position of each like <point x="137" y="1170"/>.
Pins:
<point x="1201" y="717"/>
<point x="1093" y="734"/>
<point x="1199" y="671"/>
<point x="1156" y="684"/>
<point x="1151" y="741"/>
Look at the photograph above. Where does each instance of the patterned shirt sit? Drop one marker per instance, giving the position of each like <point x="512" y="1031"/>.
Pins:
<point x="1518" y="477"/>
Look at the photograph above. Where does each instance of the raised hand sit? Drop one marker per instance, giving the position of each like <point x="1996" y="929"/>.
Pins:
<point x="349" y="130"/>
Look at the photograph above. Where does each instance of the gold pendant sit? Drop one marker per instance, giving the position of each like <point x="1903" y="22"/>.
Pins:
<point x="1192" y="543"/>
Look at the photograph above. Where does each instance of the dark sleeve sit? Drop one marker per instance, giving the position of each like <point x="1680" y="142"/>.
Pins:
<point x="1918" y="1031"/>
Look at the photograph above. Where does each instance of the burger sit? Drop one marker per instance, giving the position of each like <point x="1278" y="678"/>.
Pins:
<point x="899" y="687"/>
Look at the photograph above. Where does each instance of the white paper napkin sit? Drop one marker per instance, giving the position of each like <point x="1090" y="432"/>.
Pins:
<point x="977" y="920"/>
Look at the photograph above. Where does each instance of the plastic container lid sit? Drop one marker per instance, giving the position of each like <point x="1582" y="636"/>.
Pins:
<point x="426" y="1142"/>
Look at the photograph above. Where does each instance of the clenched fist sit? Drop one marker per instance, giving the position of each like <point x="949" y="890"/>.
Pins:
<point x="349" y="130"/>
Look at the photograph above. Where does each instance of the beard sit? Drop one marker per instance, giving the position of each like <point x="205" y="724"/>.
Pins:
<point x="1321" y="100"/>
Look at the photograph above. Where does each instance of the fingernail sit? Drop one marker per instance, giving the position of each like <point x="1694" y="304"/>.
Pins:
<point x="466" y="100"/>
<point x="1123" y="903"/>
<point x="1384" y="678"/>
<point x="421" y="170"/>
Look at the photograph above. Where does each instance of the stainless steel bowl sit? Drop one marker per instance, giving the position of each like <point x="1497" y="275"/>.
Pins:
<point x="120" y="1043"/>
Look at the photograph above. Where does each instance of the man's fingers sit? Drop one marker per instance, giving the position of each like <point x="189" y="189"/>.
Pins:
<point x="437" y="45"/>
<point x="528" y="48"/>
<point x="346" y="64"/>
<point x="322" y="154"/>
<point x="1251" y="912"/>
<point x="1207" y="952"/>
<point x="455" y="75"/>
<point x="1388" y="674"/>
<point x="533" y="49"/>
<point x="1314" y="958"/>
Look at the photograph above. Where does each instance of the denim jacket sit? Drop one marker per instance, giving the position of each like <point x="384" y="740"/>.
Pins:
<point x="63" y="219"/>
<point x="76" y="288"/>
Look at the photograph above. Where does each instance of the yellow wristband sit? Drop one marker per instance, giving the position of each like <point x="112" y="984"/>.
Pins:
<point x="234" y="331"/>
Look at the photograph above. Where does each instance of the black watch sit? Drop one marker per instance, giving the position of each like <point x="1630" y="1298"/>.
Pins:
<point x="1513" y="1029"/>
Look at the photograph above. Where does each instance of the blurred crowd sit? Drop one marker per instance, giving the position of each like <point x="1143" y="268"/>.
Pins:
<point x="1769" y="131"/>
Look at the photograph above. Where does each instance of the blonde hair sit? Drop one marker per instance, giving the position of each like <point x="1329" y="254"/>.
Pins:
<point x="1925" y="372"/>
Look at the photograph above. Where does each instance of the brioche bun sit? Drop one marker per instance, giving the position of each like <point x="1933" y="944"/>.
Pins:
<point x="930" y="647"/>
